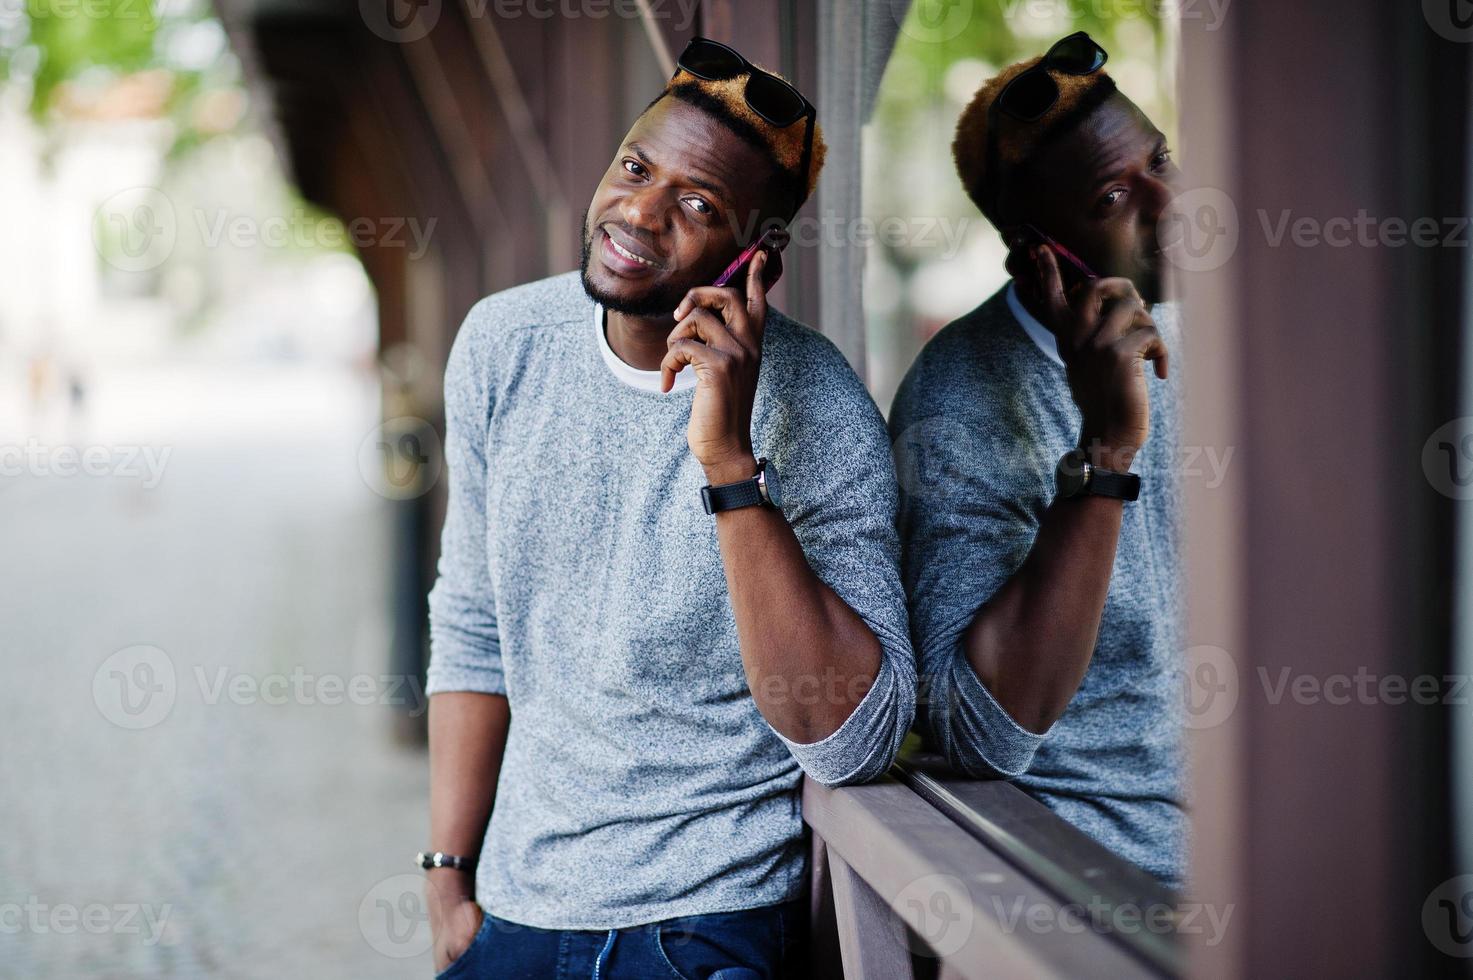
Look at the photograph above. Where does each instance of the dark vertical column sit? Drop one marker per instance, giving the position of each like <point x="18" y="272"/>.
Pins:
<point x="1325" y="554"/>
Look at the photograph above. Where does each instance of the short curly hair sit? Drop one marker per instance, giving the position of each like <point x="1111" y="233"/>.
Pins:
<point x="725" y="99"/>
<point x="1018" y="141"/>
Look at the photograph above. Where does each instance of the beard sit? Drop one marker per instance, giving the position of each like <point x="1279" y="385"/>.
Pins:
<point x="660" y="299"/>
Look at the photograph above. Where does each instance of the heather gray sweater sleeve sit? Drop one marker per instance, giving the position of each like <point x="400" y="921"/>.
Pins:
<point x="465" y="645"/>
<point x="841" y="500"/>
<point x="968" y="517"/>
<point x="979" y="424"/>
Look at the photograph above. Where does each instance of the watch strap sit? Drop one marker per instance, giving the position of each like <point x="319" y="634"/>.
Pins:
<point x="731" y="496"/>
<point x="439" y="859"/>
<point x="1105" y="483"/>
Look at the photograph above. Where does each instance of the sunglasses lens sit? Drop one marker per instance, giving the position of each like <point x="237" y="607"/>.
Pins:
<point x="1029" y="96"/>
<point x="774" y="99"/>
<point x="706" y="59"/>
<point x="1076" y="55"/>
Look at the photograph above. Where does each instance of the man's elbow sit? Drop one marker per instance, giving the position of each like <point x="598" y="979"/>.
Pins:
<point x="866" y="771"/>
<point x="981" y="741"/>
<point x="862" y="749"/>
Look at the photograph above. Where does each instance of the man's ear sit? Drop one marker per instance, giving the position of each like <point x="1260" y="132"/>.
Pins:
<point x="1020" y="263"/>
<point x="777" y="239"/>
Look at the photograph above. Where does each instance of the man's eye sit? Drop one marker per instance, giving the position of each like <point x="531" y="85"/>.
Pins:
<point x="634" y="167"/>
<point x="699" y="205"/>
<point x="1159" y="162"/>
<point x="1110" y="198"/>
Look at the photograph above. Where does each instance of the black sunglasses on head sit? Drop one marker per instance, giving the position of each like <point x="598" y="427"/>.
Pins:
<point x="1032" y="93"/>
<point x="770" y="97"/>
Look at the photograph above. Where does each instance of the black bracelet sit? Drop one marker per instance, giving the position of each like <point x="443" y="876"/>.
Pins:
<point x="439" y="859"/>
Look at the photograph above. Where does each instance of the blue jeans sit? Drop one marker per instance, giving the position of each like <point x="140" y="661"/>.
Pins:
<point x="754" y="944"/>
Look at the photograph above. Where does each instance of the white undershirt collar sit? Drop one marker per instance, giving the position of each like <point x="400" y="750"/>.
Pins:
<point x="1042" y="338"/>
<point x="633" y="376"/>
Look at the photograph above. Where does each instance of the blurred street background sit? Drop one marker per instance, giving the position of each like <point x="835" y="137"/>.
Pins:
<point x="204" y="770"/>
<point x="199" y="770"/>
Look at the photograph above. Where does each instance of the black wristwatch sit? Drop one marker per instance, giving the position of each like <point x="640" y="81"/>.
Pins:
<point x="761" y="490"/>
<point x="439" y="859"/>
<point x="1076" y="476"/>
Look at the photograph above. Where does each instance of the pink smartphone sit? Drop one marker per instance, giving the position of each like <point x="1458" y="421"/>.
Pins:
<point x="1033" y="231"/>
<point x="740" y="262"/>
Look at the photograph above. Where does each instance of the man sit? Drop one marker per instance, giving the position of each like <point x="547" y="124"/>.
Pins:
<point x="1044" y="605"/>
<point x="636" y="684"/>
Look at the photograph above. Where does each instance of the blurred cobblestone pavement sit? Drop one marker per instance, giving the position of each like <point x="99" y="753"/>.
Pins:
<point x="253" y="816"/>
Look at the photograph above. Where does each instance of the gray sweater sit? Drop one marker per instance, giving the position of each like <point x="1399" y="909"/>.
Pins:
<point x="580" y="577"/>
<point x="979" y="423"/>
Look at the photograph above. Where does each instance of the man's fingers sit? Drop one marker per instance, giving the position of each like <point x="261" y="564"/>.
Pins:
<point x="1160" y="356"/>
<point x="1108" y="309"/>
<point x="1051" y="290"/>
<point x="756" y="296"/>
<point x="684" y="352"/>
<point x="1146" y="343"/>
<point x="1116" y="287"/>
<point x="705" y="326"/>
<point x="1121" y="317"/>
<point x="721" y="300"/>
<point x="743" y="312"/>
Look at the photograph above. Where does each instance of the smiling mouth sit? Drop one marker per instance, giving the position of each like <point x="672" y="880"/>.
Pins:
<point x="629" y="254"/>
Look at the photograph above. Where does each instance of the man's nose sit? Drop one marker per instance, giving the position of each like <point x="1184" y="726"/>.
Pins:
<point x="646" y="209"/>
<point x="1156" y="195"/>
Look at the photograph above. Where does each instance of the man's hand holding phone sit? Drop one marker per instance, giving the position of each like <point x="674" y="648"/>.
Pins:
<point x="1105" y="335"/>
<point x="718" y="332"/>
<point x="772" y="243"/>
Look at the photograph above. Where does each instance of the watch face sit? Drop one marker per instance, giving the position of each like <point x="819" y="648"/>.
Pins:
<point x="770" y="481"/>
<point x="1072" y="474"/>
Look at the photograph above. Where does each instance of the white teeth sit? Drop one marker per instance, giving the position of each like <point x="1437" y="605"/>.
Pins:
<point x="630" y="255"/>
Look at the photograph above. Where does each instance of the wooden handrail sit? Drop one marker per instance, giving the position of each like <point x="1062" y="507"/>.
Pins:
<point x="1072" y="866"/>
<point x="909" y="878"/>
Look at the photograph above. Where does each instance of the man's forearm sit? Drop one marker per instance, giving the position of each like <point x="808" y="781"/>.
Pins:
<point x="1031" y="644"/>
<point x="467" y="738"/>
<point x="810" y="659"/>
